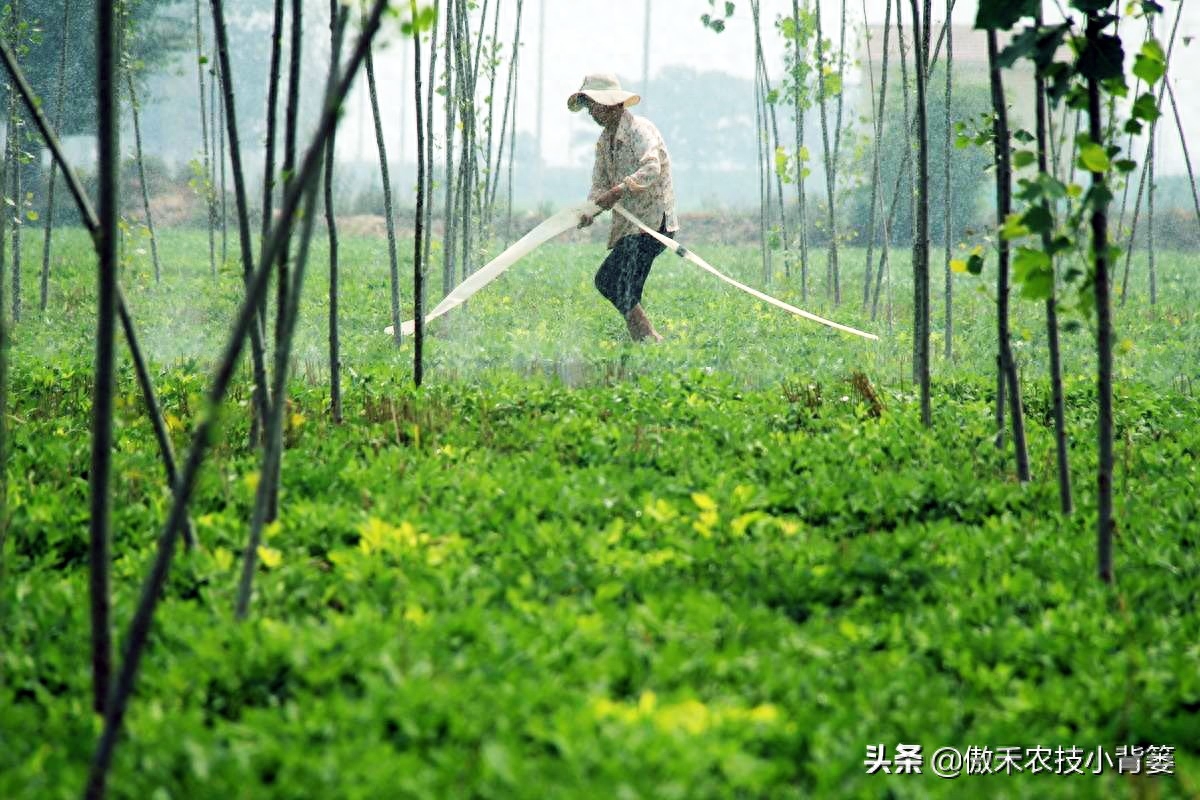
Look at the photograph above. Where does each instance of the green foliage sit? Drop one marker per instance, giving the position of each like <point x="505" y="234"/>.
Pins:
<point x="1151" y="63"/>
<point x="572" y="567"/>
<point x="1037" y="44"/>
<point x="155" y="36"/>
<point x="424" y="20"/>
<point x="1102" y="59"/>
<point x="1003" y="14"/>
<point x="716" y="20"/>
<point x="1034" y="272"/>
<point x="1092" y="156"/>
<point x="798" y="32"/>
<point x="1099" y="57"/>
<point x="1146" y="107"/>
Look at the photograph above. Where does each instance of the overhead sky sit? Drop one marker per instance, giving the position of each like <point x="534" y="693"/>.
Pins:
<point x="582" y="36"/>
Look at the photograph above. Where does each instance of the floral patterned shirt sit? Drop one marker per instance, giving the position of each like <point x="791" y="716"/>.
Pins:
<point x="634" y="155"/>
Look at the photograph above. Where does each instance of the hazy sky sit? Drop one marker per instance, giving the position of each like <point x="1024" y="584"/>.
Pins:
<point x="583" y="36"/>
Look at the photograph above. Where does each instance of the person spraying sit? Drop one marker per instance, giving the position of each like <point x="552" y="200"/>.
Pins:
<point x="632" y="166"/>
<point x="632" y="178"/>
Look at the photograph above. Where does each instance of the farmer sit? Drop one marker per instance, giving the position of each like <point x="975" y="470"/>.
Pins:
<point x="633" y="167"/>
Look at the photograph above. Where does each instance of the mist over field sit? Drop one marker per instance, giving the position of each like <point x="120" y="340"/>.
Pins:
<point x="580" y="399"/>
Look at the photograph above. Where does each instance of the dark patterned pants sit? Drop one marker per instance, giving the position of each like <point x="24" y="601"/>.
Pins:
<point x="623" y="274"/>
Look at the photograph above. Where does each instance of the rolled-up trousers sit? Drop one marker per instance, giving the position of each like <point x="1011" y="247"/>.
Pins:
<point x="623" y="274"/>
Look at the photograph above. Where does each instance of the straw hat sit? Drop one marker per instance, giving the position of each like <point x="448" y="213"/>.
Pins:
<point x="605" y="89"/>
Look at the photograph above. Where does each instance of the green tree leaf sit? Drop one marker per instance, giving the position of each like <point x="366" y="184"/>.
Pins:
<point x="1151" y="63"/>
<point x="1038" y="219"/>
<point x="1014" y="228"/>
<point x="1003" y="14"/>
<point x="1102" y="59"/>
<point x="1093" y="158"/>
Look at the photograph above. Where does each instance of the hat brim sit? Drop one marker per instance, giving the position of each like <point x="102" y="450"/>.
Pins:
<point x="605" y="97"/>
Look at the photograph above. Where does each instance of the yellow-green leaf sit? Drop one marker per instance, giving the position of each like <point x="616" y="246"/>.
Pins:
<point x="270" y="557"/>
<point x="1093" y="158"/>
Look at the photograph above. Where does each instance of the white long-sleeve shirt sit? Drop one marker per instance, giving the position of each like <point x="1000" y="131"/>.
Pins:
<point x="634" y="155"/>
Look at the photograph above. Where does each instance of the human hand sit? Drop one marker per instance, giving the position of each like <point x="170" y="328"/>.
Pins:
<point x="585" y="220"/>
<point x="610" y="198"/>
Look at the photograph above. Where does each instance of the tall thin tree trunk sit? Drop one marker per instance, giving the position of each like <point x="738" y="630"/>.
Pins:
<point x="841" y="71"/>
<point x="1187" y="158"/>
<point x="429" y="167"/>
<point x="541" y="94"/>
<point x="152" y="589"/>
<point x="92" y="222"/>
<point x="466" y="167"/>
<point x="258" y="419"/>
<point x="266" y="496"/>
<point x="1066" y="501"/>
<point x="448" y="178"/>
<point x="1054" y="142"/>
<point x="831" y="268"/>
<point x="947" y="144"/>
<point x="4" y="350"/>
<point x="1147" y="169"/>
<point x="3" y="419"/>
<point x="493" y="173"/>
<point x="137" y="139"/>
<point x="889" y="222"/>
<point x="389" y="214"/>
<point x="13" y="138"/>
<point x="477" y="54"/>
<point x="272" y="463"/>
<point x="512" y="143"/>
<point x="154" y="411"/>
<point x="877" y="126"/>
<point x="274" y="435"/>
<point x="509" y="89"/>
<point x="1104" y="421"/>
<point x="764" y="185"/>
<point x="335" y="355"/>
<point x="207" y="185"/>
<point x="1074" y="147"/>
<point x="489" y="173"/>
<point x="646" y="51"/>
<point x="1133" y="227"/>
<point x="921" y="235"/>
<point x="798" y="106"/>
<point x="1150" y="224"/>
<point x="906" y="162"/>
<point x="18" y="196"/>
<point x="59" y="106"/>
<point x="224" y="192"/>
<point x="109" y="155"/>
<point x="769" y="108"/>
<point x="290" y="131"/>
<point x="419" y="217"/>
<point x="1003" y="209"/>
<point x="272" y="102"/>
<point x="3" y="401"/>
<point x="213" y="126"/>
<point x="261" y="397"/>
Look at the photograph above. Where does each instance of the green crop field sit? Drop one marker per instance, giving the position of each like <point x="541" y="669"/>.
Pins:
<point x="574" y="567"/>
